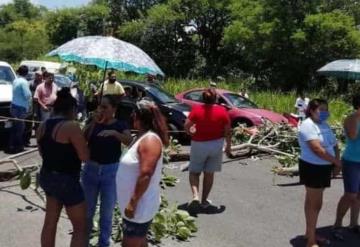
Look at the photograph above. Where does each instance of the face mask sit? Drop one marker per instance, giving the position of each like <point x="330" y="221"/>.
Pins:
<point x="323" y="116"/>
<point x="112" y="80"/>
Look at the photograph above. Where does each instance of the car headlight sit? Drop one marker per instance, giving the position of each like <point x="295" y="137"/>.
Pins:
<point x="186" y="113"/>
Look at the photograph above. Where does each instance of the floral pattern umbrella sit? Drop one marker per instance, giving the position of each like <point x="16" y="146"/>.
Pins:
<point x="107" y="53"/>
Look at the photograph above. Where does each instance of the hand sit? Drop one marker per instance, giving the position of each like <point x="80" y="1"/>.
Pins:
<point x="337" y="168"/>
<point x="130" y="209"/>
<point x="45" y="108"/>
<point x="228" y="151"/>
<point x="106" y="133"/>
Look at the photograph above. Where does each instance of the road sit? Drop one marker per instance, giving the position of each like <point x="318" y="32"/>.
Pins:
<point x="258" y="210"/>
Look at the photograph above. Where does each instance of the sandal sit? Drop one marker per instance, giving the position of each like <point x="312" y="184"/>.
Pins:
<point x="193" y="206"/>
<point x="355" y="229"/>
<point x="337" y="234"/>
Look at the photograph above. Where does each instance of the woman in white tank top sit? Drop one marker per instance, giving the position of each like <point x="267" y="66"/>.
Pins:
<point x="139" y="174"/>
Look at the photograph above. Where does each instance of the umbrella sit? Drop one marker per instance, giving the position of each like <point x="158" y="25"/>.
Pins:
<point x="107" y="53"/>
<point x="345" y="69"/>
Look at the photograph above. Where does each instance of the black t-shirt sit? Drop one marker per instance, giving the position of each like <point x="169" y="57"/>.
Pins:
<point x="106" y="150"/>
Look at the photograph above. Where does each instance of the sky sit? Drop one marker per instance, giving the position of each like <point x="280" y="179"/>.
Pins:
<point x="53" y="4"/>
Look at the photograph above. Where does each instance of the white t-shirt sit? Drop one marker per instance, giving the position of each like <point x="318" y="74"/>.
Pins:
<point x="301" y="105"/>
<point x="309" y="130"/>
<point x="126" y="178"/>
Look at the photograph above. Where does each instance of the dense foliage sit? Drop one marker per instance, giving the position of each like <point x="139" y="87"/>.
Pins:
<point x="277" y="43"/>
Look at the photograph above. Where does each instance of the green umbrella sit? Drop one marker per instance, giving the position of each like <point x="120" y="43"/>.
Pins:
<point x="343" y="69"/>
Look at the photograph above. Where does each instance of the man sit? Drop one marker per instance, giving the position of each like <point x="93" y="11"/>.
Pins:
<point x="301" y="105"/>
<point x="34" y="112"/>
<point x="20" y="106"/>
<point x="45" y="95"/>
<point x="111" y="86"/>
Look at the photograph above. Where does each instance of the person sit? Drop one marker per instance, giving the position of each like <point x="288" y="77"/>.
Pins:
<point x="319" y="154"/>
<point x="112" y="87"/>
<point x="20" y="106"/>
<point x="35" y="110"/>
<point x="350" y="172"/>
<point x="151" y="79"/>
<point x="104" y="141"/>
<point x="62" y="147"/>
<point x="139" y="174"/>
<point x="301" y="105"/>
<point x="45" y="95"/>
<point x="207" y="125"/>
<point x="244" y="93"/>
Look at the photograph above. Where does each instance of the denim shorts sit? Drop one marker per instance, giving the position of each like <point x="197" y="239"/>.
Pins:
<point x="63" y="187"/>
<point x="351" y="176"/>
<point x="132" y="229"/>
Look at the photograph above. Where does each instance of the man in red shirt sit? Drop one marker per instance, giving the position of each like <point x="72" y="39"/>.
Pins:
<point x="208" y="125"/>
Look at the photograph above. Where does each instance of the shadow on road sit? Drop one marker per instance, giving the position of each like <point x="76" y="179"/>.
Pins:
<point x="351" y="239"/>
<point x="210" y="210"/>
<point x="289" y="184"/>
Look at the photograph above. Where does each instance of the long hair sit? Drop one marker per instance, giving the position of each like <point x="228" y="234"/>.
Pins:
<point x="152" y="119"/>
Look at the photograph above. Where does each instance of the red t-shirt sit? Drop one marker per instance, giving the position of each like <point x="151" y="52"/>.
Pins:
<point x="210" y="121"/>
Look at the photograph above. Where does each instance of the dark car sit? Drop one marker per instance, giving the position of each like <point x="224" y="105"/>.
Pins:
<point x="174" y="111"/>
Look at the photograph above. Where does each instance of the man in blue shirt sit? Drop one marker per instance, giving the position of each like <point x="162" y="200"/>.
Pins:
<point x="20" y="107"/>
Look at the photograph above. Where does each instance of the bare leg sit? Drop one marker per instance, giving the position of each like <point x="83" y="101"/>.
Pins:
<point x="194" y="179"/>
<point x="53" y="210"/>
<point x="354" y="213"/>
<point x="77" y="216"/>
<point x="207" y="185"/>
<point x="346" y="201"/>
<point x="313" y="204"/>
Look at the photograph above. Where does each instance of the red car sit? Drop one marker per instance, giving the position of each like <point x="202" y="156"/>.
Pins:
<point x="241" y="110"/>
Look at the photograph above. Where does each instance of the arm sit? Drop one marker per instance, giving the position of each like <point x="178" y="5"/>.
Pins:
<point x="316" y="147"/>
<point x="88" y="130"/>
<point x="187" y="126"/>
<point x="38" y="97"/>
<point x="26" y="91"/>
<point x="149" y="151"/>
<point x="350" y="126"/>
<point x="124" y="137"/>
<point x="39" y="134"/>
<point x="78" y="141"/>
<point x="227" y="134"/>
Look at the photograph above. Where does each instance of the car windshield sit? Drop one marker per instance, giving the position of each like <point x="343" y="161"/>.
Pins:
<point x="6" y="75"/>
<point x="62" y="81"/>
<point x="239" y="101"/>
<point x="161" y="95"/>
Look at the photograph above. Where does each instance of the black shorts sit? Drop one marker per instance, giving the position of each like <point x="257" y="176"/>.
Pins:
<point x="65" y="188"/>
<point x="315" y="176"/>
<point x="132" y="229"/>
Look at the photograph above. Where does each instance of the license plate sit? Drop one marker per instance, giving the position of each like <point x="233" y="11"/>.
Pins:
<point x="8" y="125"/>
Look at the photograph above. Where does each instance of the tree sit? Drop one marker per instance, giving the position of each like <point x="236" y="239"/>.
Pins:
<point x="23" y="40"/>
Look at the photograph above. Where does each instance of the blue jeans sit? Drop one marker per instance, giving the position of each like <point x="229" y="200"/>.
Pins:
<point x="100" y="180"/>
<point x="16" y="140"/>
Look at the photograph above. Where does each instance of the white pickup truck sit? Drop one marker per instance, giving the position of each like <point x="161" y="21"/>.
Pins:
<point x="7" y="76"/>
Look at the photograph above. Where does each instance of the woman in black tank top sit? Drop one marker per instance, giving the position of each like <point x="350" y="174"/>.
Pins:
<point x="105" y="136"/>
<point x="62" y="148"/>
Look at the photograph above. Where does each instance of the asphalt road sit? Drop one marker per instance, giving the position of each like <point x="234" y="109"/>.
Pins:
<point x="256" y="210"/>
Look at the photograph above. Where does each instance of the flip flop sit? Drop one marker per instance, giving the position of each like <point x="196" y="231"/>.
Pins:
<point x="355" y="229"/>
<point x="194" y="206"/>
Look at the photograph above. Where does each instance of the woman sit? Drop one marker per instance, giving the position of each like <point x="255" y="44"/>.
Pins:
<point x="62" y="148"/>
<point x="105" y="136"/>
<point x="319" y="154"/>
<point x="207" y="124"/>
<point x="139" y="175"/>
<point x="351" y="172"/>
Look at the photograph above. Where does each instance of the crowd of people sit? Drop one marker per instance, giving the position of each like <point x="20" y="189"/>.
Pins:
<point x="132" y="179"/>
<point x="320" y="160"/>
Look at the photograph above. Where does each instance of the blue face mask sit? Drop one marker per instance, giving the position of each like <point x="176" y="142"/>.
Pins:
<point x="323" y="116"/>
